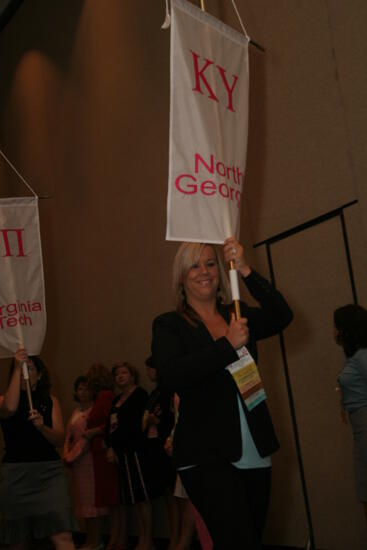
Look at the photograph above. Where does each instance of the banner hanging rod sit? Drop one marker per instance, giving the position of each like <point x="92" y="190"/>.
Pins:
<point x="252" y="42"/>
<point x="256" y="45"/>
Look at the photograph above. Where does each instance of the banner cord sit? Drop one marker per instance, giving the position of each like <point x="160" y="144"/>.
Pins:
<point x="167" y="21"/>
<point x="240" y="20"/>
<point x="17" y="173"/>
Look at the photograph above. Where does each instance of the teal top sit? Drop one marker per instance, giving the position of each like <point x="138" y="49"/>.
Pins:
<point x="353" y="381"/>
<point x="250" y="457"/>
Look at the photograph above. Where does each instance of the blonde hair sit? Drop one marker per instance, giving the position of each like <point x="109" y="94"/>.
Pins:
<point x="186" y="256"/>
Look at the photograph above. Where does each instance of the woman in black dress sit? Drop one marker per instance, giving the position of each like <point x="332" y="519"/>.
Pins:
<point x="34" y="498"/>
<point x="127" y="443"/>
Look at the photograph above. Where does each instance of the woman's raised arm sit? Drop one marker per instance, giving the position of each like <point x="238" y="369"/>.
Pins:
<point x="10" y="400"/>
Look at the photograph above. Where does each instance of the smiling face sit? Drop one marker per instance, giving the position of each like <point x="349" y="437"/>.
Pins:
<point x="202" y="279"/>
<point x="123" y="377"/>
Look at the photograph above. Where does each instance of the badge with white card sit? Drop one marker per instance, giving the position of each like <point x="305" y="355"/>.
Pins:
<point x="246" y="375"/>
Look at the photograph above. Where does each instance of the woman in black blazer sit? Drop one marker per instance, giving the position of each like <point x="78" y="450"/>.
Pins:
<point x="221" y="448"/>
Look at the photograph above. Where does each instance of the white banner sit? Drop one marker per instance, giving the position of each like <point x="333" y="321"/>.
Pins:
<point x="22" y="296"/>
<point x="208" y="126"/>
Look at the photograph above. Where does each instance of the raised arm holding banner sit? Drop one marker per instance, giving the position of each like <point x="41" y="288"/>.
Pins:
<point x="22" y="296"/>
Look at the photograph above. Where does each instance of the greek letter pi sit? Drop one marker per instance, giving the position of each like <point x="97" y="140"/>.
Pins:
<point x="200" y="78"/>
<point x="19" y="242"/>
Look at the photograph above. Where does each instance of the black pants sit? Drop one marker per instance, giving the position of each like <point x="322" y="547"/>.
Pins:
<point x="232" y="502"/>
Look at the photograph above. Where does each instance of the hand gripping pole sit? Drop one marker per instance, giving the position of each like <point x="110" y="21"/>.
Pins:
<point x="27" y="384"/>
<point x="233" y="278"/>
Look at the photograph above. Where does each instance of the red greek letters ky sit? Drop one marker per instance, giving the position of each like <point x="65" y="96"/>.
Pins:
<point x="202" y="83"/>
<point x="11" y="241"/>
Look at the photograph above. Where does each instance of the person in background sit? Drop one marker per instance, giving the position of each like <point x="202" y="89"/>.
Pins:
<point x="34" y="496"/>
<point x="350" y="331"/>
<point x="182" y="521"/>
<point x="223" y="438"/>
<point x="186" y="517"/>
<point x="78" y="456"/>
<point x="127" y="445"/>
<point x="158" y="422"/>
<point x="106" y="480"/>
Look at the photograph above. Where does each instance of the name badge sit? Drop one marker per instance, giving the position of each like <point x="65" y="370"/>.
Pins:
<point x="246" y="375"/>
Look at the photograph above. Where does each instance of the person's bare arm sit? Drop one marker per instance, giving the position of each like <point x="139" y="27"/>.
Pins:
<point x="10" y="400"/>
<point x="56" y="434"/>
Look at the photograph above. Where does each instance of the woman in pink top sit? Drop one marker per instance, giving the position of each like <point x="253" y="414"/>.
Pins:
<point x="78" y="455"/>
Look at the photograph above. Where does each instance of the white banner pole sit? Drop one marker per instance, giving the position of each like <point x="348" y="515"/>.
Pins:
<point x="233" y="279"/>
<point x="27" y="384"/>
